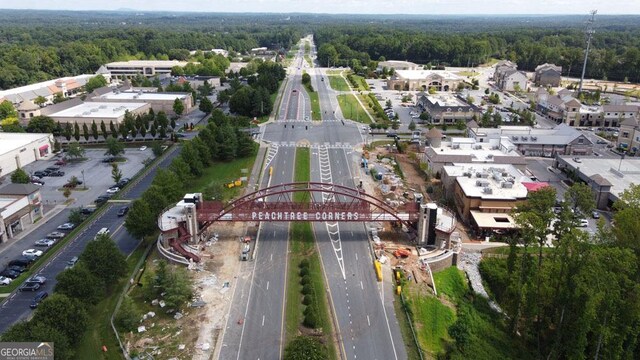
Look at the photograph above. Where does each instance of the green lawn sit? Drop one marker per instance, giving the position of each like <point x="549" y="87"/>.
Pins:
<point x="351" y="109"/>
<point x="366" y="101"/>
<point x="338" y="83"/>
<point x="315" y="106"/>
<point x="451" y="283"/>
<point x="361" y="83"/>
<point x="413" y="353"/>
<point x="308" y="59"/>
<point x="431" y="319"/>
<point x="334" y="72"/>
<point x="222" y="173"/>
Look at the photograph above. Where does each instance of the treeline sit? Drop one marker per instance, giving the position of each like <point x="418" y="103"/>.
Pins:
<point x="579" y="298"/>
<point x="615" y="52"/>
<point x="30" y="54"/>
<point x="254" y="99"/>
<point x="63" y="317"/>
<point x="220" y="140"/>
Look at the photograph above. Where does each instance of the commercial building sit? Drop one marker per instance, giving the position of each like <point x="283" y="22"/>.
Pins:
<point x="446" y="108"/>
<point x="20" y="205"/>
<point x="496" y="152"/>
<point x="422" y="80"/>
<point x="529" y="141"/>
<point x="19" y="149"/>
<point x="548" y="75"/>
<point x="629" y="135"/>
<point x="124" y="69"/>
<point x="197" y="81"/>
<point x="88" y="112"/>
<point x="485" y="194"/>
<point x="67" y="86"/>
<point x="508" y="78"/>
<point x="607" y="177"/>
<point x="397" y="65"/>
<point x="156" y="101"/>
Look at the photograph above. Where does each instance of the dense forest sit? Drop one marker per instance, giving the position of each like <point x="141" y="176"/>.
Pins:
<point x="40" y="45"/>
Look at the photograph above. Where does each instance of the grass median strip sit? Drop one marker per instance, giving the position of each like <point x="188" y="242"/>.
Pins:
<point x="351" y="109"/>
<point x="307" y="306"/>
<point x="338" y="83"/>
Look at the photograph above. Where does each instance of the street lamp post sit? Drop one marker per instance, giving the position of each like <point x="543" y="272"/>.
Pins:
<point x="83" y="180"/>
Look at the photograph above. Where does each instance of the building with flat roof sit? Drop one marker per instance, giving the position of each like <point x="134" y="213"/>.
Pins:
<point x="123" y="69"/>
<point x="88" y="112"/>
<point x="412" y="80"/>
<point x="607" y="177"/>
<point x="20" y="205"/>
<point x="156" y="100"/>
<point x="20" y="149"/>
<point x="485" y="194"/>
<point x="397" y="65"/>
<point x="496" y="152"/>
<point x="530" y="141"/>
<point x="446" y="108"/>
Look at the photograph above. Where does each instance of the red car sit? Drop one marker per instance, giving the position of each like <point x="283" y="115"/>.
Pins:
<point x="61" y="162"/>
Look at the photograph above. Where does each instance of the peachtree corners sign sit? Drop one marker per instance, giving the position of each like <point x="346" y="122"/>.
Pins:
<point x="26" y="351"/>
<point x="308" y="215"/>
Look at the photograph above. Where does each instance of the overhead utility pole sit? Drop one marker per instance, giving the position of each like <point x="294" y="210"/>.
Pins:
<point x="589" y="33"/>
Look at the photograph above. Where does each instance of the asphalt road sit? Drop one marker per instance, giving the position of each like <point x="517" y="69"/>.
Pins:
<point x="16" y="307"/>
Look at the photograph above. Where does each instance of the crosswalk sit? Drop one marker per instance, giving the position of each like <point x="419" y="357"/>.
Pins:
<point x="337" y="145"/>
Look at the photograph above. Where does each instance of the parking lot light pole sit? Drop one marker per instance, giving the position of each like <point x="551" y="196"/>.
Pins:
<point x="83" y="180"/>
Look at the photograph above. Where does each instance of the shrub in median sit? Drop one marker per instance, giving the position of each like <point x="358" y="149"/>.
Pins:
<point x="307" y="289"/>
<point x="305" y="280"/>
<point x="304" y="271"/>
<point x="304" y="263"/>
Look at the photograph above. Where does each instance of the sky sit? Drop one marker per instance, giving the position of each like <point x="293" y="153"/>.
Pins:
<point x="463" y="7"/>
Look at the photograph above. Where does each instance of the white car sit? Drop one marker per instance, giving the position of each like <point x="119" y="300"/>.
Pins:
<point x="56" y="235"/>
<point x="45" y="242"/>
<point x="66" y="226"/>
<point x="113" y="190"/>
<point x="143" y="148"/>
<point x="583" y="223"/>
<point x="32" y="252"/>
<point x="5" y="280"/>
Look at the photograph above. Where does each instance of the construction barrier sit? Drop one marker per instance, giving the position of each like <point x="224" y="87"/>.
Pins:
<point x="398" y="289"/>
<point x="378" y="267"/>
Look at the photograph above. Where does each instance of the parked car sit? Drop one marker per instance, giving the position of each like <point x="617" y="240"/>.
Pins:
<point x="52" y="168"/>
<point x="45" y="242"/>
<point x="602" y="142"/>
<point x="9" y="273"/>
<point x="101" y="200"/>
<point x="5" y="280"/>
<point x="29" y="286"/>
<point x="583" y="222"/>
<point x="38" y="278"/>
<point x="32" y="252"/>
<point x="57" y="173"/>
<point x="87" y="210"/>
<point x="113" y="190"/>
<point x="17" y="268"/>
<point x="22" y="261"/>
<point x="66" y="226"/>
<point x="38" y="299"/>
<point x="56" y="235"/>
<point x="61" y="162"/>
<point x="41" y="174"/>
<point x="123" y="211"/>
<point x="37" y="182"/>
<point x="143" y="148"/>
<point x="595" y="215"/>
<point x="71" y="263"/>
<point x="108" y="159"/>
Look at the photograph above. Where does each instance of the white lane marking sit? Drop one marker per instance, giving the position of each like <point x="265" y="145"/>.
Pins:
<point x="267" y="285"/>
<point x="356" y="256"/>
<point x="368" y="321"/>
<point x="262" y="320"/>
<point x="271" y="257"/>
<point x="361" y="286"/>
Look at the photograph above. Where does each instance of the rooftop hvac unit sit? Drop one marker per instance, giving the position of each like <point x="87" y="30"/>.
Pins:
<point x="484" y="175"/>
<point x="455" y="146"/>
<point x="102" y="106"/>
<point x="86" y="113"/>
<point x="514" y="138"/>
<point x="467" y="174"/>
<point x="496" y="147"/>
<point x="490" y="156"/>
<point x="94" y="110"/>
<point x="135" y="96"/>
<point x="482" y="183"/>
<point x="477" y="147"/>
<point x="506" y="185"/>
<point x="524" y="138"/>
<point x="487" y="190"/>
<point x="534" y="138"/>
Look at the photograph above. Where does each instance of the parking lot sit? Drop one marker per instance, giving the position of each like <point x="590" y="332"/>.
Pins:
<point x="97" y="175"/>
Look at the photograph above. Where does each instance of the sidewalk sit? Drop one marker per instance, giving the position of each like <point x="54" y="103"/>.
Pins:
<point x="47" y="216"/>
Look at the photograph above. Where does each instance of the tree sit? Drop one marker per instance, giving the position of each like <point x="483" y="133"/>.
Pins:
<point x="75" y="150"/>
<point x="40" y="100"/>
<point x="103" y="129"/>
<point x="127" y="317"/>
<point x="156" y="148"/>
<point x="580" y="197"/>
<point x="154" y="195"/>
<point x="227" y="143"/>
<point x="7" y="110"/>
<point x="85" y="131"/>
<point x="103" y="258"/>
<point x="305" y="348"/>
<point x="178" y="107"/>
<point x="113" y="130"/>
<point x="116" y="173"/>
<point x="114" y="147"/>
<point x="32" y="331"/>
<point x="412" y="125"/>
<point x="140" y="221"/>
<point x="76" y="131"/>
<point x="75" y="216"/>
<point x="94" y="130"/>
<point x="64" y="313"/>
<point x="95" y="82"/>
<point x="20" y="177"/>
<point x="190" y="155"/>
<point x="162" y="119"/>
<point x="79" y="283"/>
<point x="205" y="105"/>
<point x="170" y="184"/>
<point x="306" y="79"/>
<point x="41" y="124"/>
<point x="67" y="131"/>
<point x="66" y="193"/>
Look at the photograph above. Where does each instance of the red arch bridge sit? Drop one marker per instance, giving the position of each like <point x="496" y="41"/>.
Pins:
<point x="301" y="201"/>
